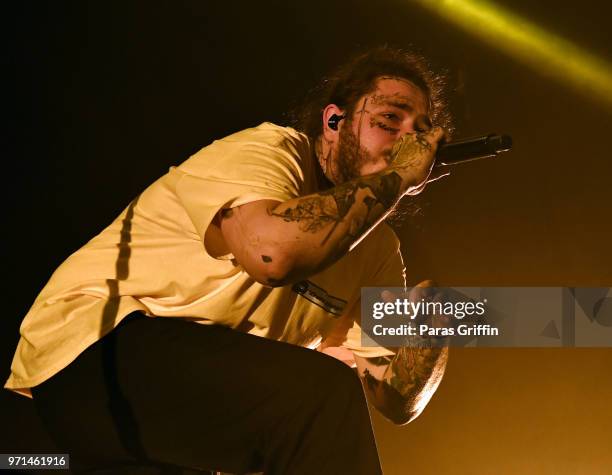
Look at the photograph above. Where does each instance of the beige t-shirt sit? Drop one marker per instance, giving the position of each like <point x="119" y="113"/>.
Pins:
<point x="154" y="258"/>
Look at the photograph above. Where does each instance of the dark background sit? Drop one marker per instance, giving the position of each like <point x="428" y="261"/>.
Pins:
<point x="102" y="97"/>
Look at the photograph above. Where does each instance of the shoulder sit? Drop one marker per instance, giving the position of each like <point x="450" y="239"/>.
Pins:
<point x="269" y="134"/>
<point x="257" y="151"/>
<point x="268" y="146"/>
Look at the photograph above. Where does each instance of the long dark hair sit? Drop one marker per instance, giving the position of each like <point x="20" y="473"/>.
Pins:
<point x="358" y="77"/>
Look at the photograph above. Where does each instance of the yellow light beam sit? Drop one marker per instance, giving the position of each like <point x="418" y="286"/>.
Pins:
<point x="548" y="53"/>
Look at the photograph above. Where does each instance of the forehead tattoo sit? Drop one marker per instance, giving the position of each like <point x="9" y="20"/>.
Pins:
<point x="398" y="100"/>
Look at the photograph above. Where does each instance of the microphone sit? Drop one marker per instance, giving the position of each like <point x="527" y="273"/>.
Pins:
<point x="472" y="149"/>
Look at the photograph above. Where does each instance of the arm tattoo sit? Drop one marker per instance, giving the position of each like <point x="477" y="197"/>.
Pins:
<point x="411" y="377"/>
<point x="226" y="213"/>
<point x="412" y="368"/>
<point x="313" y="213"/>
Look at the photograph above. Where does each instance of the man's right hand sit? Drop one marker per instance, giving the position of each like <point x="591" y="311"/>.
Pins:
<point x="413" y="158"/>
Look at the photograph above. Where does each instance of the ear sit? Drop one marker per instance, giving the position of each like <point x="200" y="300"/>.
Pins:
<point x="329" y="134"/>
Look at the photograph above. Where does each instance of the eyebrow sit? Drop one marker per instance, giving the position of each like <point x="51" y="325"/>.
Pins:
<point x="395" y="100"/>
<point x="407" y="106"/>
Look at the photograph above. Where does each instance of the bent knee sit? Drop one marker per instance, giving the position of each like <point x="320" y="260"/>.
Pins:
<point x="332" y="375"/>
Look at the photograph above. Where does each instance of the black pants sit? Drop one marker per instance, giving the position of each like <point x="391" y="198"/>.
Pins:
<point x="172" y="393"/>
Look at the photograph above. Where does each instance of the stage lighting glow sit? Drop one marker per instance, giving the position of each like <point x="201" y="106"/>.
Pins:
<point x="544" y="51"/>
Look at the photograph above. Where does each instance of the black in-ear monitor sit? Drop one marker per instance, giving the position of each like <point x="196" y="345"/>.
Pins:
<point x="333" y="121"/>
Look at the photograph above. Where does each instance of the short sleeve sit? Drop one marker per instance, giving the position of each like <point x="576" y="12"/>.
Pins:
<point x="257" y="164"/>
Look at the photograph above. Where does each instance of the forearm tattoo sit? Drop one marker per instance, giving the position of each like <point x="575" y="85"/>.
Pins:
<point x="330" y="207"/>
<point x="411" y="377"/>
<point x="412" y="369"/>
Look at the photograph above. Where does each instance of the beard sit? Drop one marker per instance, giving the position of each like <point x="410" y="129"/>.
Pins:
<point x="351" y="157"/>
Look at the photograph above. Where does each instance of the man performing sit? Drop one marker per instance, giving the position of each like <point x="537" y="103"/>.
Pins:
<point x="182" y="335"/>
